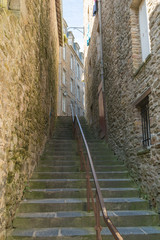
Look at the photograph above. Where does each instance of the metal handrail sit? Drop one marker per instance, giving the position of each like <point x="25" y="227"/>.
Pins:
<point x="99" y="196"/>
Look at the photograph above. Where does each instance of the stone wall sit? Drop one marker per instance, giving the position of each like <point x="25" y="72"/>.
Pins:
<point x="126" y="79"/>
<point x="28" y="86"/>
<point x="92" y="64"/>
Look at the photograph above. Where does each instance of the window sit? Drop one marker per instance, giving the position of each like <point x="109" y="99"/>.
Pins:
<point x="64" y="52"/>
<point x="63" y="103"/>
<point x="3" y="3"/>
<point x="64" y="77"/>
<point x="71" y="85"/>
<point x="146" y="136"/>
<point x="78" y="93"/>
<point x="70" y="41"/>
<point x="78" y="71"/>
<point x="144" y="30"/>
<point x="64" y="30"/>
<point x="71" y="62"/>
<point x="142" y="103"/>
<point x="139" y="32"/>
<point x="11" y="5"/>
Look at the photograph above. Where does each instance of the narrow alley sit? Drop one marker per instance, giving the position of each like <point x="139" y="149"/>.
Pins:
<point x="79" y="119"/>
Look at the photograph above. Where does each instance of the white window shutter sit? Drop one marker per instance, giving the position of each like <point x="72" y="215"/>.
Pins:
<point x="144" y="30"/>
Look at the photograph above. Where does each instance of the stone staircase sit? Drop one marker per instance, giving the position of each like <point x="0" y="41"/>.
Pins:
<point x="55" y="204"/>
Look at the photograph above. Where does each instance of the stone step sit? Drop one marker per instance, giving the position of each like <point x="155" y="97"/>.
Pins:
<point x="79" y="192"/>
<point x="83" y="219"/>
<point x="57" y="141"/>
<point x="66" y="161"/>
<point x="129" y="233"/>
<point x="67" y="158"/>
<point x="79" y="183"/>
<point x="61" y="153"/>
<point x="103" y="158"/>
<point x="60" y="162"/>
<point x="64" y="137"/>
<point x="62" y="144"/>
<point x="106" y="167"/>
<point x="71" y="204"/>
<point x="61" y="128"/>
<point x="67" y="152"/>
<point x="52" y="168"/>
<point x="61" y="147"/>
<point x="79" y="175"/>
<point x="54" y="205"/>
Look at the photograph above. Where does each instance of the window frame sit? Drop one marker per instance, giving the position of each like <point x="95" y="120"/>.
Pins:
<point x="145" y="43"/>
<point x="64" y="52"/>
<point x="135" y="34"/>
<point x="72" y="62"/>
<point x="78" y="71"/>
<point x="142" y="104"/>
<point x="64" y="77"/>
<point x="71" y="85"/>
<point x="4" y="4"/>
<point x="10" y="5"/>
<point x="78" y="93"/>
<point x="145" y="120"/>
<point x="63" y="104"/>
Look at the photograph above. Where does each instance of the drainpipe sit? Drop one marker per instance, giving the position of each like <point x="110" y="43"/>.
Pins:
<point x="102" y="66"/>
<point x="101" y="43"/>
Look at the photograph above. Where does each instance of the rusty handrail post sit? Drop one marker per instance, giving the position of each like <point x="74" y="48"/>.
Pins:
<point x="99" y="199"/>
<point x="98" y="227"/>
<point x="88" y="186"/>
<point x="81" y="152"/>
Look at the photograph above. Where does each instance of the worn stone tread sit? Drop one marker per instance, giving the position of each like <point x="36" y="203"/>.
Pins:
<point x="85" y="213"/>
<point x="51" y="232"/>
<point x="55" y="207"/>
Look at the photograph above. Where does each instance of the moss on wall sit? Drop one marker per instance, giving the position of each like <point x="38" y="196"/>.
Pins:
<point x="28" y="85"/>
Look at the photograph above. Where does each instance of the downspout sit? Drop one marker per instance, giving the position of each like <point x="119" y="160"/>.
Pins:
<point x="101" y="43"/>
<point x="102" y="66"/>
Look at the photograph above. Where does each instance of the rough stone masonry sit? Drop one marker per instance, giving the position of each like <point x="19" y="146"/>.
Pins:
<point x="29" y="50"/>
<point x="126" y="79"/>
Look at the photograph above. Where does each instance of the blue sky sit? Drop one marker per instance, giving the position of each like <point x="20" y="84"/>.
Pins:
<point x="73" y="14"/>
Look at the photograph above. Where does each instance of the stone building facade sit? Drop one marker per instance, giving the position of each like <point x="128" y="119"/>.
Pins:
<point x="30" y="35"/>
<point x="71" y="88"/>
<point x="131" y="57"/>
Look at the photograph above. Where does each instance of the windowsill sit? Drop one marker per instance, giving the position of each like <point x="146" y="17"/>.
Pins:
<point x="142" y="65"/>
<point x="16" y="12"/>
<point x="143" y="151"/>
